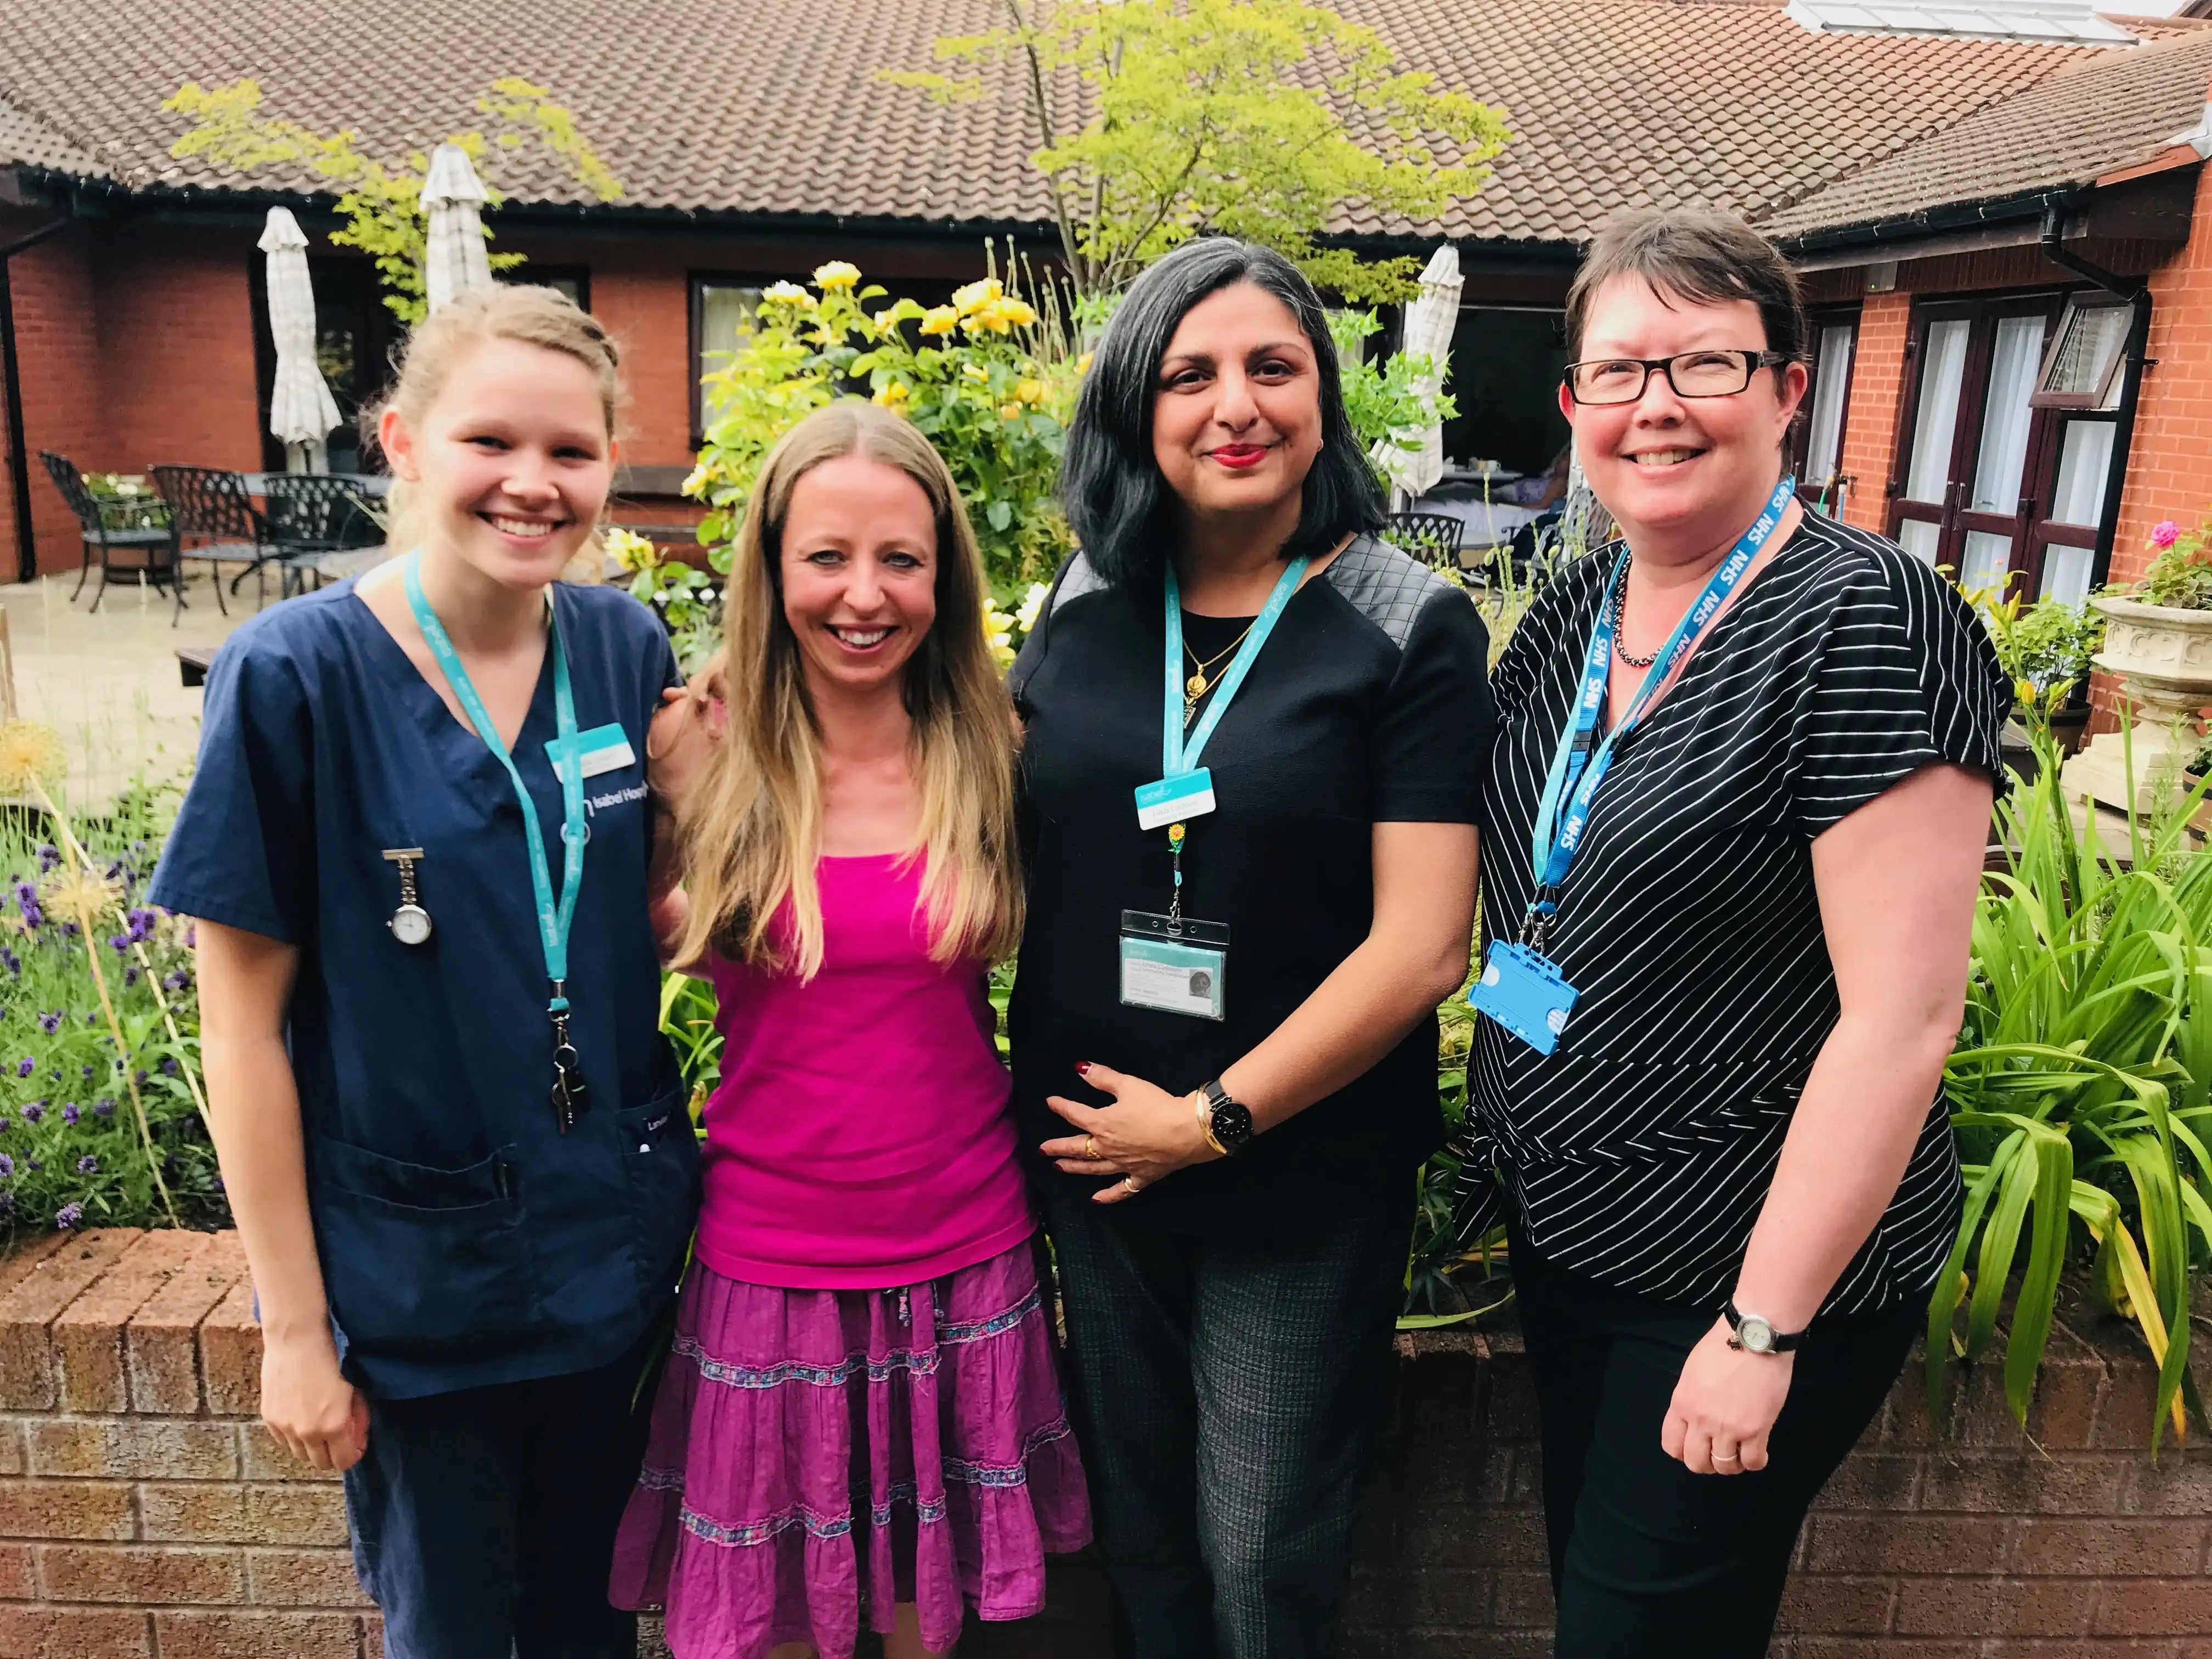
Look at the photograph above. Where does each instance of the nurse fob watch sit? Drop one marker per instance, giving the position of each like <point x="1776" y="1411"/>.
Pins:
<point x="410" y="922"/>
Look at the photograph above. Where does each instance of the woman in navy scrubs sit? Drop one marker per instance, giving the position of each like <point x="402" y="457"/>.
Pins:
<point x="460" y="1165"/>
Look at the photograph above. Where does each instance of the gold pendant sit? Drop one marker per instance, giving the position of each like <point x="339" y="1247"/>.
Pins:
<point x="1194" y="687"/>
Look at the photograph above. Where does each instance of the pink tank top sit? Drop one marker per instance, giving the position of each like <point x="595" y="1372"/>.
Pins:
<point x="860" y="1137"/>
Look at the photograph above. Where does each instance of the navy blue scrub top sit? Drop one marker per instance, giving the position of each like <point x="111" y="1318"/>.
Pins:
<point x="465" y="1241"/>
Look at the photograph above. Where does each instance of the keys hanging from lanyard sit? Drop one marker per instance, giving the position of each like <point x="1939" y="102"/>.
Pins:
<point x="1580" y="763"/>
<point x="554" y="916"/>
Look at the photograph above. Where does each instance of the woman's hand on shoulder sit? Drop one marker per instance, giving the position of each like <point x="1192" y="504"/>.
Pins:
<point x="1144" y="1136"/>
<point x="315" y="1413"/>
<point x="1725" y="1405"/>
<point x="689" y="725"/>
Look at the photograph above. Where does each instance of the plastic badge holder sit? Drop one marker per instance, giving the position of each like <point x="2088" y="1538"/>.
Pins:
<point x="1177" y="966"/>
<point x="1525" y="994"/>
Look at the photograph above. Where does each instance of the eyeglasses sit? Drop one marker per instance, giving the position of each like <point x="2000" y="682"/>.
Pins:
<point x="1691" y="374"/>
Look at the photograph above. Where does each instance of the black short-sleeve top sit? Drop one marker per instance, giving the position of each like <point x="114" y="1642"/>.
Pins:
<point x="1368" y="704"/>
<point x="1639" y="1152"/>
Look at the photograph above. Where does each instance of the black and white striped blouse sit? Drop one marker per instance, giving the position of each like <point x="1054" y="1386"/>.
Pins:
<point x="1639" y="1152"/>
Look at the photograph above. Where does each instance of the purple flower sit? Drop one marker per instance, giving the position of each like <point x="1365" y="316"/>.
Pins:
<point x="141" y="1080"/>
<point x="177" y="982"/>
<point x="34" y="1111"/>
<point x="130" y="976"/>
<point x="7" y="1166"/>
<point x="87" y="1074"/>
<point x="26" y="1066"/>
<point x="69" y="1114"/>
<point x="219" y="1187"/>
<point x="168" y="1066"/>
<point x="10" y="961"/>
<point x="68" y="1215"/>
<point x="31" y="1163"/>
<point x="118" y="943"/>
<point x="51" y="1023"/>
<point x="142" y="923"/>
<point x="104" y="1107"/>
<point x="191" y="935"/>
<point x="88" y="1165"/>
<point x="26" y="900"/>
<point x="49" y="856"/>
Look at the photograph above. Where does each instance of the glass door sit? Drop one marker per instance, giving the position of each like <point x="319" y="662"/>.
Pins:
<point x="1973" y="445"/>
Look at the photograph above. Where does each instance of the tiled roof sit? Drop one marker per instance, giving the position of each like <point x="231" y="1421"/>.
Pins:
<point x="769" y="107"/>
<point x="2113" y="112"/>
<point x="25" y="139"/>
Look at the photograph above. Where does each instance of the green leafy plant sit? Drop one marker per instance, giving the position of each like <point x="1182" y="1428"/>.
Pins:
<point x="2078" y="1091"/>
<point x="990" y="380"/>
<point x="127" y="502"/>
<point x="1162" y="119"/>
<point x="100" y="1113"/>
<point x="1386" y="398"/>
<point x="2180" y="572"/>
<point x="380" y="200"/>
<point x="2045" y="646"/>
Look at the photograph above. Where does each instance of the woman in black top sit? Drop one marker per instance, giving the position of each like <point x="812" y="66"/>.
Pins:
<point x="1766" y="924"/>
<point x="1229" y="1129"/>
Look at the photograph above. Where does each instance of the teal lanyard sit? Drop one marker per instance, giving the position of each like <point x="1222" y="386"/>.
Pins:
<point x="553" y="917"/>
<point x="1179" y="755"/>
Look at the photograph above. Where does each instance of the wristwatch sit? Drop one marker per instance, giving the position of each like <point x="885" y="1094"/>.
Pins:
<point x="1227" y="1123"/>
<point x="1757" y="1336"/>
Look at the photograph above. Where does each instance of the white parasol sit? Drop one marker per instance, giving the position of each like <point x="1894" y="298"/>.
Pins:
<point x="454" y="262"/>
<point x="302" y="410"/>
<point x="1414" y="457"/>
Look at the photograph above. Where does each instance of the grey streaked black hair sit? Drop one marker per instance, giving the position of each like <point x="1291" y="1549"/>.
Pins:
<point x="1694" y="253"/>
<point x="1117" y="504"/>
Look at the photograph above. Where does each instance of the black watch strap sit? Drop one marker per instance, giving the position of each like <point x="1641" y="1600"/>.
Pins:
<point x="1231" y="1120"/>
<point x="1777" y="1341"/>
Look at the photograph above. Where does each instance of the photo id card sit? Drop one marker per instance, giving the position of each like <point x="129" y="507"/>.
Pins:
<point x="1166" y="800"/>
<point x="1174" y="965"/>
<point x="1525" y="994"/>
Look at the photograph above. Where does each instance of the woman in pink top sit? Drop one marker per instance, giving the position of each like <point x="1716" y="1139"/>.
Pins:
<point x="861" y="1419"/>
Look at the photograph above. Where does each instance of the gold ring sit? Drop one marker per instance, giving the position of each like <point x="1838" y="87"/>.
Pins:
<point x="1090" y="1147"/>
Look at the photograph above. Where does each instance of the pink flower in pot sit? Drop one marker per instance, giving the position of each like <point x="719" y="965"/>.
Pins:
<point x="2164" y="534"/>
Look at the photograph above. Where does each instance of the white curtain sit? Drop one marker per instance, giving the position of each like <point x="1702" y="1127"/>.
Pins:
<point x="2006" y="415"/>
<point x="454" y="263"/>
<point x="302" y="410"/>
<point x="1824" y="441"/>
<point x="1942" y="372"/>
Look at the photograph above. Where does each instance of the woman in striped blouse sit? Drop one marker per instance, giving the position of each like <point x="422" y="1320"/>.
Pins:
<point x="1736" y="816"/>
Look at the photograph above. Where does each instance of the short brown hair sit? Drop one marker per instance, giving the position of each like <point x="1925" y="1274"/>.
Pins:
<point x="1693" y="253"/>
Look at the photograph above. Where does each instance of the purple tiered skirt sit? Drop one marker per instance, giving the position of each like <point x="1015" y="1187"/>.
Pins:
<point x="818" y="1457"/>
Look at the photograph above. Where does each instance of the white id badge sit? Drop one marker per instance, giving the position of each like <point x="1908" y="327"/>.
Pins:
<point x="1175" y="964"/>
<point x="602" y="748"/>
<point x="1166" y="800"/>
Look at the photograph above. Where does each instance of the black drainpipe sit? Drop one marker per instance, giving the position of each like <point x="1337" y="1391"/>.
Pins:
<point x="19" y="453"/>
<point x="2137" y="293"/>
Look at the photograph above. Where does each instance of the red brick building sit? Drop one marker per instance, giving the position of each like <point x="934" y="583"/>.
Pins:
<point x="1956" y="201"/>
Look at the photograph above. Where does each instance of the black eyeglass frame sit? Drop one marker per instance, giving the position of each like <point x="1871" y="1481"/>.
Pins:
<point x="1752" y="363"/>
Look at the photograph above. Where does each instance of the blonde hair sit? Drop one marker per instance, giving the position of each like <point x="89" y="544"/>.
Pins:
<point x="442" y="341"/>
<point x="752" y="830"/>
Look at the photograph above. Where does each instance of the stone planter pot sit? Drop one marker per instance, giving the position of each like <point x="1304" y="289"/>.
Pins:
<point x="2163" y="659"/>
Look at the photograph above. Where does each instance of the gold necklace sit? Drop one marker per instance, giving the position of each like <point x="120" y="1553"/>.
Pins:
<point x="1195" y="687"/>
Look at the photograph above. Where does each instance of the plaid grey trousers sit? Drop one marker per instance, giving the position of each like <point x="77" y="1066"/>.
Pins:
<point x="1225" y="1399"/>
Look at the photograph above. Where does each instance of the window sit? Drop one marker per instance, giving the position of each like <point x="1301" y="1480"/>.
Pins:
<point x="722" y="309"/>
<point x="2083" y="369"/>
<point x="1506" y="362"/>
<point x="1835" y="343"/>
<point x="2007" y="443"/>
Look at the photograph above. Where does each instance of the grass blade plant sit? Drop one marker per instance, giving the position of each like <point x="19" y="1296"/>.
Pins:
<point x="2079" y="1089"/>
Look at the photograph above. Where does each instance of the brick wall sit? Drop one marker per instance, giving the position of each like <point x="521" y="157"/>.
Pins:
<point x="58" y="356"/>
<point x="143" y="1512"/>
<point x="2166" y="471"/>
<point x="1877" y="396"/>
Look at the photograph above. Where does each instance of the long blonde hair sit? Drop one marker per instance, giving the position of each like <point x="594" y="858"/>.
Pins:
<point x="752" y="830"/>
<point x="441" y="342"/>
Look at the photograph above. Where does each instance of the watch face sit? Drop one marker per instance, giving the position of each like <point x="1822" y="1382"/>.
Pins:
<point x="1755" y="1334"/>
<point x="410" y="924"/>
<point x="1232" y="1124"/>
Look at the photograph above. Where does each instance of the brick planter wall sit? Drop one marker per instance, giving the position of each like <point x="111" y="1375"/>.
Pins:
<point x="143" y="1512"/>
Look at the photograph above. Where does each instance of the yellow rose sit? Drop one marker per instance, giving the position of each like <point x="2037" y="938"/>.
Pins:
<point x="835" y="275"/>
<point x="631" y="550"/>
<point x="1030" y="392"/>
<point x="998" y="634"/>
<point x="975" y="295"/>
<point x="1017" y="311"/>
<point x="939" y="319"/>
<point x="1010" y="411"/>
<point x="892" y="394"/>
<point x="787" y="293"/>
<point x="991" y="319"/>
<point x="1032" y="606"/>
<point x="977" y="374"/>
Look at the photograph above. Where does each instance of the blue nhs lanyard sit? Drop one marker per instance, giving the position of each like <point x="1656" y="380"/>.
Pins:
<point x="1179" y="755"/>
<point x="553" y="917"/>
<point x="1577" y="771"/>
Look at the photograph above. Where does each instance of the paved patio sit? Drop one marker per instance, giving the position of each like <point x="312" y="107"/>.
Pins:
<point x="109" y="682"/>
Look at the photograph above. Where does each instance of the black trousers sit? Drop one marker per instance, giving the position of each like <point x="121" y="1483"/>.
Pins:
<point x="484" y="1520"/>
<point x="1225" y="1399"/>
<point x="1650" y="1561"/>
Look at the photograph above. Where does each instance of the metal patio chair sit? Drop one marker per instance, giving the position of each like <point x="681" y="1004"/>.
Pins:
<point x="315" y="520"/>
<point x="155" y="549"/>
<point x="1432" y="538"/>
<point x="213" y="510"/>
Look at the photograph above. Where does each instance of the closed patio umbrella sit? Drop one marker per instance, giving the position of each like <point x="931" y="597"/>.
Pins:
<point x="302" y="410"/>
<point x="454" y="263"/>
<point x="1414" y="457"/>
